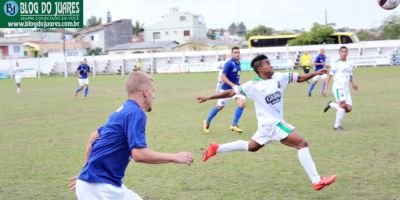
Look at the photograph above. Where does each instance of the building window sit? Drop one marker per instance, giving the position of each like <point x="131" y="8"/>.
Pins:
<point x="182" y="18"/>
<point x="186" y="33"/>
<point x="72" y="53"/>
<point x="156" y="35"/>
<point x="92" y="38"/>
<point x="16" y="49"/>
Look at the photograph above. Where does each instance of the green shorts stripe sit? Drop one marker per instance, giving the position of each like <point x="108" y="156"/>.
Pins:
<point x="287" y="129"/>
<point x="337" y="95"/>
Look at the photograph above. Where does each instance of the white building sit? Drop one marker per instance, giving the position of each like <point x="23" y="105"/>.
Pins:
<point x="177" y="26"/>
<point x="105" y="36"/>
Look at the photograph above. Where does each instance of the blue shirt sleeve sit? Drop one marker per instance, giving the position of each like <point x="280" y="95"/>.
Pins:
<point x="99" y="130"/>
<point x="136" y="130"/>
<point x="227" y="68"/>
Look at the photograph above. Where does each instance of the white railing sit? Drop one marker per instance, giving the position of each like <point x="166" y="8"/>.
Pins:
<point x="371" y="53"/>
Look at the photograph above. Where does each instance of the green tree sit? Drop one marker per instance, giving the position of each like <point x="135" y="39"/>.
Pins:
<point x="318" y="34"/>
<point x="391" y="27"/>
<point x="232" y="29"/>
<point x="211" y="34"/>
<point x="93" y="21"/>
<point x="365" y="35"/>
<point x="241" y="29"/>
<point x="137" y="28"/>
<point x="260" y="30"/>
<point x="96" y="51"/>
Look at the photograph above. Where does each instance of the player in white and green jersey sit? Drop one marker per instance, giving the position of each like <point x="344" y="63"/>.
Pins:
<point x="342" y="73"/>
<point x="267" y="91"/>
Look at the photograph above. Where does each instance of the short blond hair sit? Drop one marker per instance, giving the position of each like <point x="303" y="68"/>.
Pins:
<point x="137" y="82"/>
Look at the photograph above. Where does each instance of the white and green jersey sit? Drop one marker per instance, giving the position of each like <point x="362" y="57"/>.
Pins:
<point x="18" y="71"/>
<point x="341" y="72"/>
<point x="268" y="96"/>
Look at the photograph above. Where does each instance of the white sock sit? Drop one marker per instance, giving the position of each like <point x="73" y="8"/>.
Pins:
<point x="18" y="90"/>
<point x="339" y="117"/>
<point x="308" y="164"/>
<point x="239" y="145"/>
<point x="334" y="105"/>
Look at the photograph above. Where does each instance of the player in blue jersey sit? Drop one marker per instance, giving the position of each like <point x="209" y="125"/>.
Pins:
<point x="319" y="64"/>
<point x="119" y="140"/>
<point x="83" y="72"/>
<point x="230" y="77"/>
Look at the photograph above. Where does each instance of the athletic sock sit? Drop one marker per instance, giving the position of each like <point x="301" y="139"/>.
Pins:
<point x="308" y="164"/>
<point x="339" y="117"/>
<point x="212" y="114"/>
<point x="323" y="87"/>
<point x="334" y="105"/>
<point x="239" y="145"/>
<point x="238" y="114"/>
<point x="86" y="91"/>
<point x="78" y="90"/>
<point x="311" y="87"/>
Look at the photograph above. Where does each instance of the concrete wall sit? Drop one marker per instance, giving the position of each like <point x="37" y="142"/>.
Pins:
<point x="373" y="53"/>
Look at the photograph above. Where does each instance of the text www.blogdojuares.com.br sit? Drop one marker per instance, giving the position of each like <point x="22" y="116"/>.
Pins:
<point x="43" y="24"/>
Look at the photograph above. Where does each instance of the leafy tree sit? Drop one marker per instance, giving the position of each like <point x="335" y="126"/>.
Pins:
<point x="241" y="29"/>
<point x="137" y="28"/>
<point x="284" y="33"/>
<point x="391" y="27"/>
<point x="260" y="30"/>
<point x="96" y="51"/>
<point x="232" y="29"/>
<point x="365" y="35"/>
<point x="93" y="21"/>
<point x="318" y="34"/>
<point x="211" y="34"/>
<point x="222" y="31"/>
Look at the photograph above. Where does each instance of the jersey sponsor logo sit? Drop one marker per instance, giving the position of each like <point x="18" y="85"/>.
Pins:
<point x="273" y="98"/>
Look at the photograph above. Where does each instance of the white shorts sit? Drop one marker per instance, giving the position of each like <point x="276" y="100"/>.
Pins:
<point x="18" y="79"/>
<point x="317" y="77"/>
<point x="83" y="81"/>
<point x="223" y="102"/>
<point x="342" y="95"/>
<point x="267" y="134"/>
<point x="103" y="191"/>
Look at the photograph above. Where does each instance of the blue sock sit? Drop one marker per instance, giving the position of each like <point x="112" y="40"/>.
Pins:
<point x="311" y="88"/>
<point x="78" y="90"/>
<point x="238" y="114"/>
<point x="212" y="114"/>
<point x="86" y="91"/>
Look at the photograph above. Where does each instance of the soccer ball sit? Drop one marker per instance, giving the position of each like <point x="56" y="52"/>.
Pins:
<point x="388" y="4"/>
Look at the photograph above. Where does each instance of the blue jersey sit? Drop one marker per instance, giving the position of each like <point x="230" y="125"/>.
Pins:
<point x="111" y="152"/>
<point x="232" y="72"/>
<point x="319" y="59"/>
<point x="83" y="70"/>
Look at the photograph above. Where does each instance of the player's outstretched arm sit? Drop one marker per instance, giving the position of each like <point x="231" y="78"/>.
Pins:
<point x="146" y="155"/>
<point x="221" y="95"/>
<point x="306" y="77"/>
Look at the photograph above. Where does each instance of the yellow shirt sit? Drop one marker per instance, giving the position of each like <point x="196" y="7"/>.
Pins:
<point x="305" y="60"/>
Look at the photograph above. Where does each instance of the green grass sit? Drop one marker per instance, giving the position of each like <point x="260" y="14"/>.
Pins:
<point x="44" y="129"/>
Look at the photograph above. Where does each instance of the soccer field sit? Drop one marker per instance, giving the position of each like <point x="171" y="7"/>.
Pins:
<point x="44" y="129"/>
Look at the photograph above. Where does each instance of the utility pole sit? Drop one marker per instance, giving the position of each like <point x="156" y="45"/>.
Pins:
<point x="326" y="16"/>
